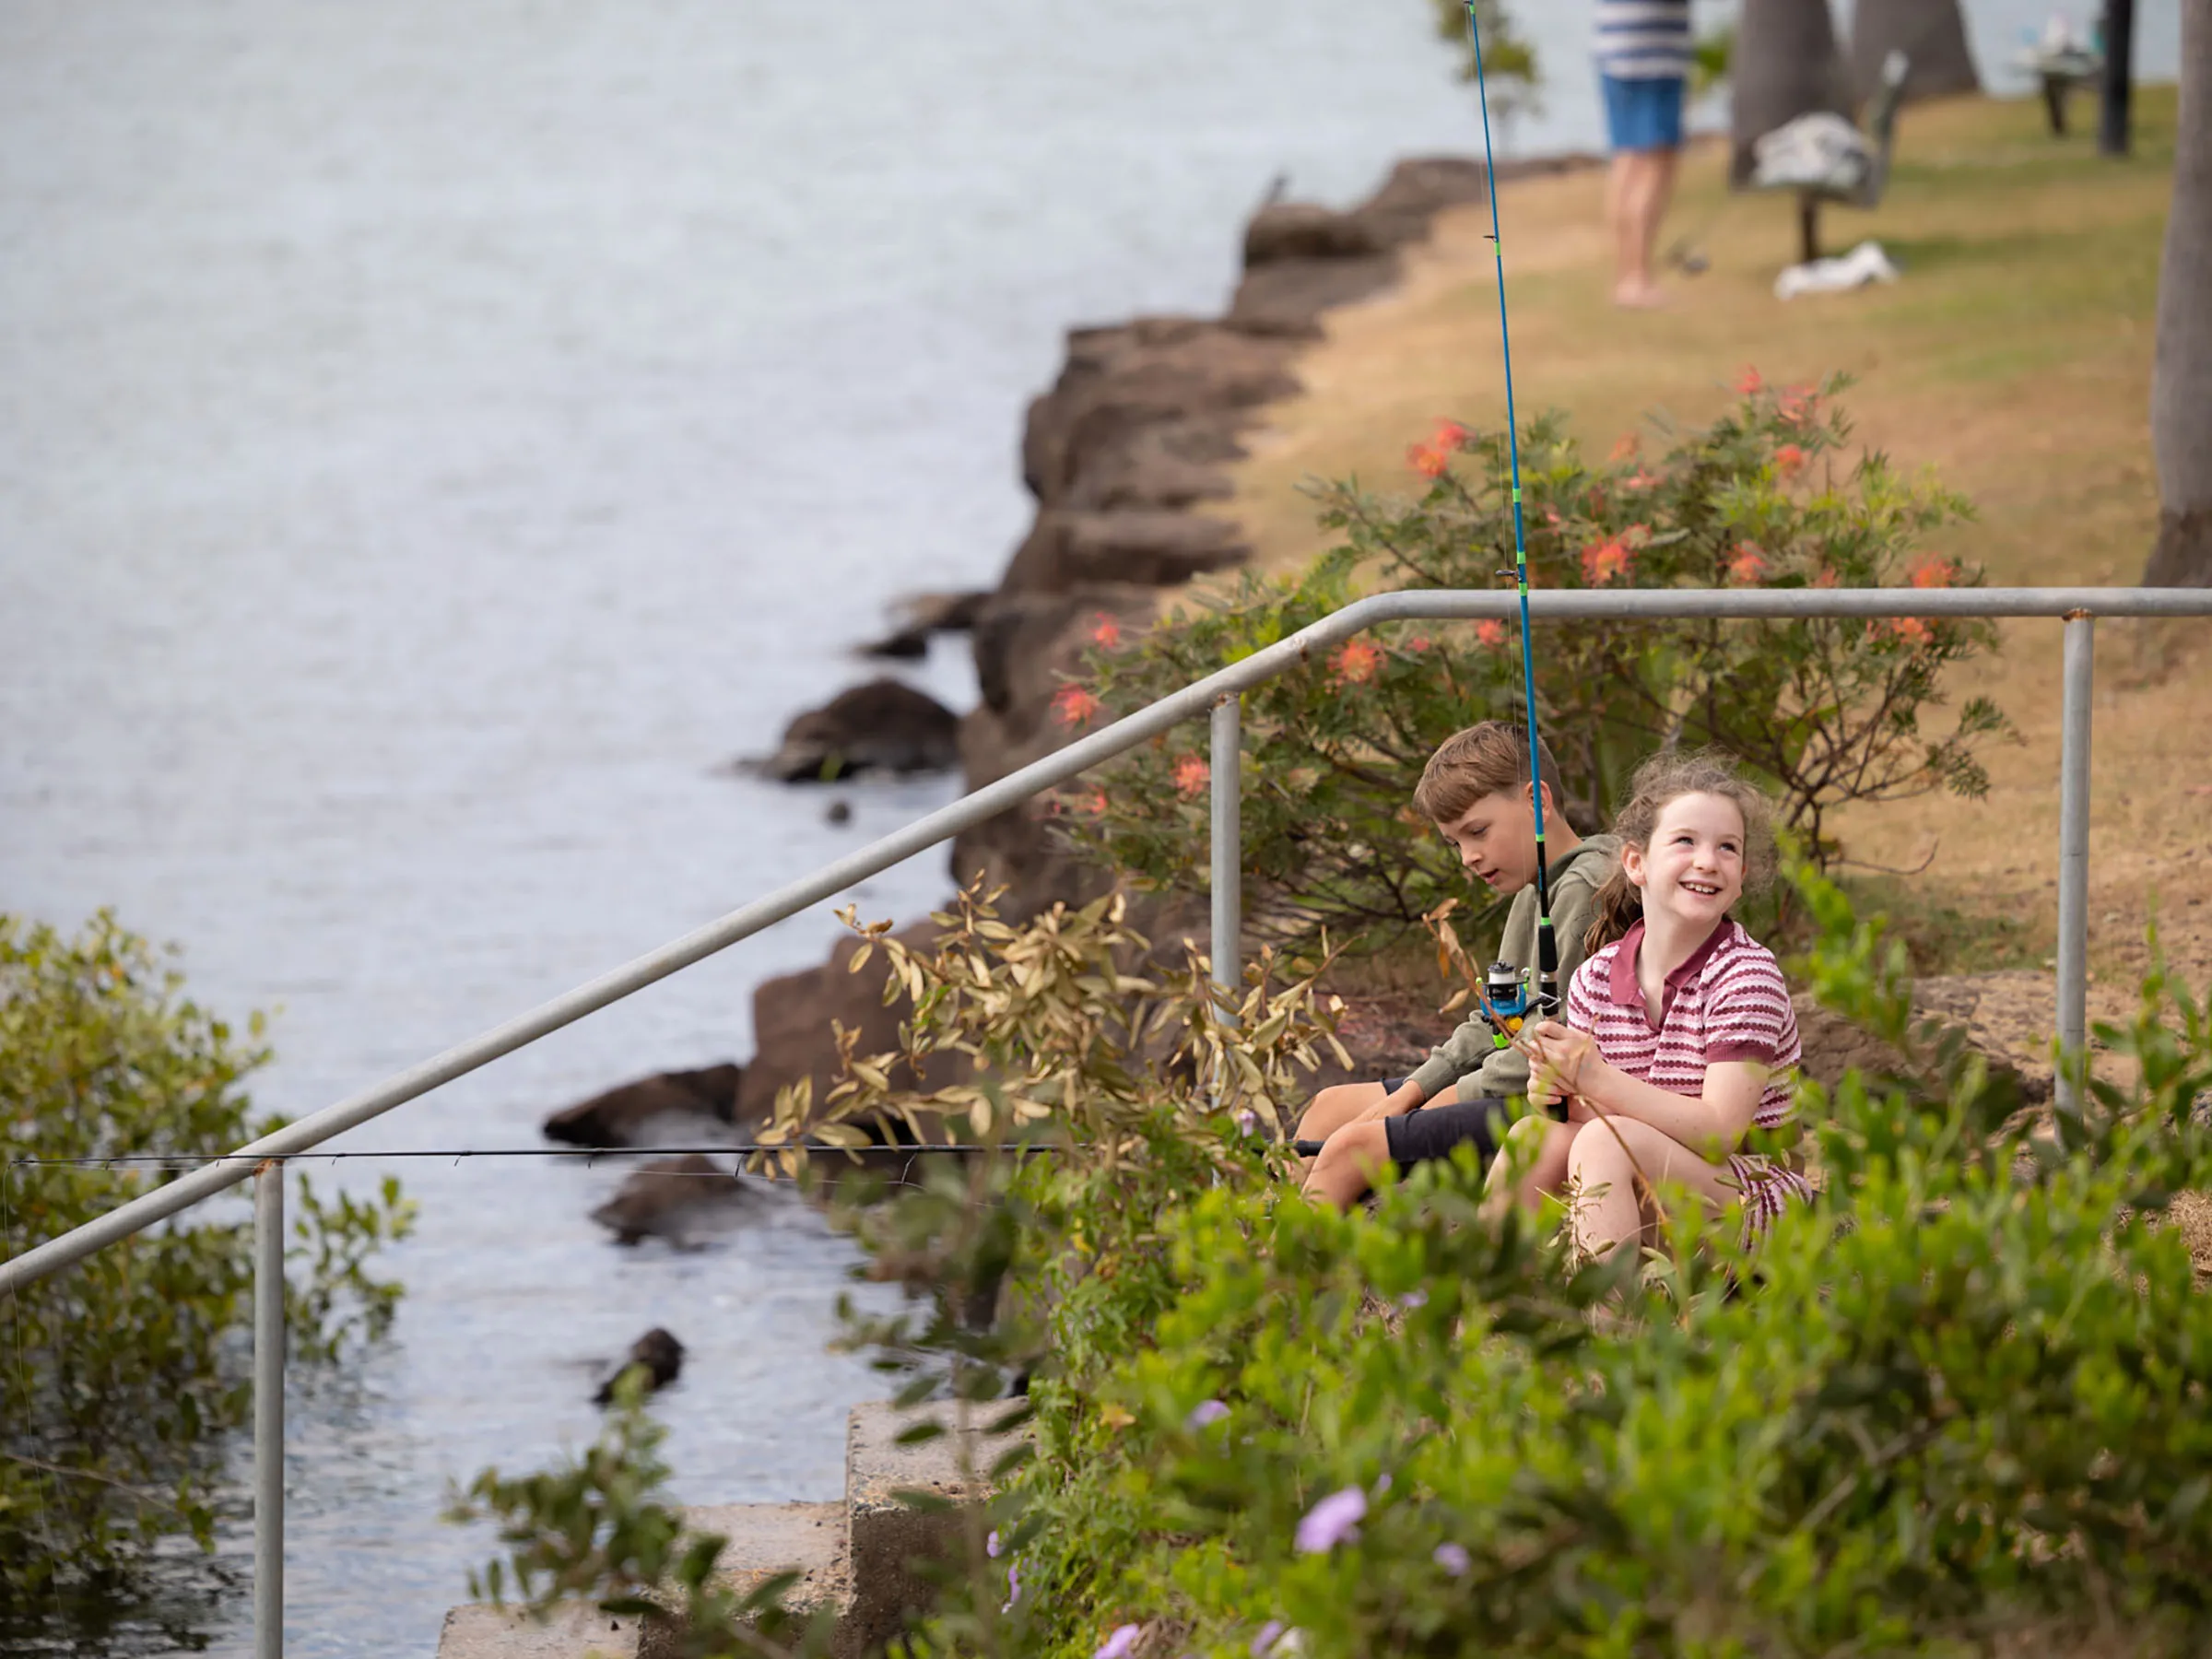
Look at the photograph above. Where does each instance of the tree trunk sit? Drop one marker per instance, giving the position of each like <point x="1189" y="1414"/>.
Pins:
<point x="1784" y="65"/>
<point x="2113" y="125"/>
<point x="1932" y="35"/>
<point x="2181" y="380"/>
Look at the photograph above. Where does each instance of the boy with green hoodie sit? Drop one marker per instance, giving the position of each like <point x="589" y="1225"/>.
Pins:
<point x="1476" y="789"/>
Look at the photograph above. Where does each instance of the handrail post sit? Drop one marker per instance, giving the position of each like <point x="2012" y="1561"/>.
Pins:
<point x="2073" y="860"/>
<point x="1227" y="851"/>
<point x="269" y="1410"/>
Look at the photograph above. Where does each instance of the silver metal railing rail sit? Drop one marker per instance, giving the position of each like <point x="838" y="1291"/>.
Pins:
<point x="1216" y="696"/>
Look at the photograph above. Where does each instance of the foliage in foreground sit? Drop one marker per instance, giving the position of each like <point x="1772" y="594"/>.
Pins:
<point x="126" y="1374"/>
<point x="1828" y="711"/>
<point x="1960" y="1403"/>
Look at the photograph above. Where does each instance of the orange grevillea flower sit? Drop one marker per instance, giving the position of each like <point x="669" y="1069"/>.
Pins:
<point x="1192" y="775"/>
<point x="1426" y="460"/>
<point x="1490" y="635"/>
<point x="1094" y="803"/>
<point x="1072" y="705"/>
<point x="1551" y="517"/>
<point x="1795" y="404"/>
<point x="1790" y="460"/>
<point x="1105" y="632"/>
<point x="1449" y="435"/>
<point x="1356" y="663"/>
<point x="1602" y="561"/>
<point x="1749" y="382"/>
<point x="1418" y="644"/>
<point x="1826" y="577"/>
<point x="1638" y="479"/>
<point x="1748" y="565"/>
<point x="1626" y="445"/>
<point x="1913" y="630"/>
<point x="1935" y="573"/>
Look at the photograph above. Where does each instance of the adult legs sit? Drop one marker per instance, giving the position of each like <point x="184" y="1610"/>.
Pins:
<point x="1639" y="189"/>
<point x="1604" y="1162"/>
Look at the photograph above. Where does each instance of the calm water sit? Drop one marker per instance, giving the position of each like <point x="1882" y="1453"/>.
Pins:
<point x="434" y="438"/>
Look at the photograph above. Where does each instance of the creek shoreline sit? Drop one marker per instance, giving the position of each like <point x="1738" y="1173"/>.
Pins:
<point x="1124" y="454"/>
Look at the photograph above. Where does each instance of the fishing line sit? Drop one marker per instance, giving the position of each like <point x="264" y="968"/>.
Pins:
<point x="1547" y="950"/>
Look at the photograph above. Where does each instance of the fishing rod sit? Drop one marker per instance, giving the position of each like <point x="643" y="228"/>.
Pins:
<point x="1548" y="947"/>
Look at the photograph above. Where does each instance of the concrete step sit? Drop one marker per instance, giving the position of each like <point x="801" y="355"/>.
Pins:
<point x="892" y="1546"/>
<point x="763" y="1539"/>
<point x="867" y="1557"/>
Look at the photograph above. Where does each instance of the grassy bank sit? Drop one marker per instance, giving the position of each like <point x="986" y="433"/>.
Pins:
<point x="2014" y="358"/>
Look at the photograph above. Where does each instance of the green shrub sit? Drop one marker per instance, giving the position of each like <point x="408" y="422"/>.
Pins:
<point x="124" y="1374"/>
<point x="1958" y="1406"/>
<point x="1826" y="711"/>
<point x="1959" y="1402"/>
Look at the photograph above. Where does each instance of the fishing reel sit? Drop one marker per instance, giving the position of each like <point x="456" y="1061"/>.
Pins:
<point x="1505" y="987"/>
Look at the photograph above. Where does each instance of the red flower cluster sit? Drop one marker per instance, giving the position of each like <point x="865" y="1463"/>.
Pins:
<point x="1748" y="565"/>
<point x="1490" y="635"/>
<point x="1748" y="383"/>
<point x="1431" y="458"/>
<point x="1356" y="663"/>
<point x="1790" y="460"/>
<point x="1106" y="633"/>
<point x="1192" y="775"/>
<point x="1935" y="573"/>
<point x="1603" y="561"/>
<point x="1072" y="705"/>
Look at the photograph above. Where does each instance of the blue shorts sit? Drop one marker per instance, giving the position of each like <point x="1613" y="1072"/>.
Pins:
<point x="1643" y="115"/>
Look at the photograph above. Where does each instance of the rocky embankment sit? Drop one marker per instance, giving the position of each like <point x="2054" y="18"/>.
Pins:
<point x="1125" y="453"/>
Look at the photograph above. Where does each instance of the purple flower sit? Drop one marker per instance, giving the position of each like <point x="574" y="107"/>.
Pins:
<point x="1331" y="1521"/>
<point x="1382" y="1483"/>
<point x="1013" y="1585"/>
<point x="1205" y="1412"/>
<point x="1248" y="1121"/>
<point x="991" y="1545"/>
<point x="1414" y="1299"/>
<point x="1454" y="1559"/>
<point x="1270" y="1633"/>
<point x="1122" y="1643"/>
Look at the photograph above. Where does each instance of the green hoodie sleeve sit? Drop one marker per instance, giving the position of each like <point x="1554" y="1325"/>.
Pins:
<point x="1470" y="1057"/>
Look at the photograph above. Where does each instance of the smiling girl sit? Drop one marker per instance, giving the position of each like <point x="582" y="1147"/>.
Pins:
<point x="1679" y="1037"/>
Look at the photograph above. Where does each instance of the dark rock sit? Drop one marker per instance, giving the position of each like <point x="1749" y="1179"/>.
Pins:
<point x="884" y="725"/>
<point x="675" y="1198"/>
<point x="626" y="1116"/>
<point x="1139" y="547"/>
<point x="792" y="1017"/>
<point x="1305" y="230"/>
<point x="1119" y="381"/>
<point x="927" y="614"/>
<point x="837" y="812"/>
<point x="656" y="1358"/>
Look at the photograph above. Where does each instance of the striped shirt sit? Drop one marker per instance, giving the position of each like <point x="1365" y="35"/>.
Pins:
<point x="1643" y="39"/>
<point x="1728" y="1001"/>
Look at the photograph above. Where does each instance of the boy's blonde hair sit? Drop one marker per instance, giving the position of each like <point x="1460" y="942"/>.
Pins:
<point x="1667" y="777"/>
<point x="1485" y="759"/>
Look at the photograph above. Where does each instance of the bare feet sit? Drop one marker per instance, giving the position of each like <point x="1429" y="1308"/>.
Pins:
<point x="1639" y="296"/>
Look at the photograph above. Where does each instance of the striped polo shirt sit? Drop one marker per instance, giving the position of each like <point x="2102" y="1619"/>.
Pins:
<point x="1728" y="1001"/>
<point x="1643" y="39"/>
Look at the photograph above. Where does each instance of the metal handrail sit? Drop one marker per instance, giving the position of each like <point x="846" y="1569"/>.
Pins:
<point x="1217" y="694"/>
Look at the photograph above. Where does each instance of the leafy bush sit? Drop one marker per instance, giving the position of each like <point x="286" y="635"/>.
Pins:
<point x="1956" y="1403"/>
<point x="1826" y="711"/>
<point x="124" y="1374"/>
<point x="1956" y="1406"/>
